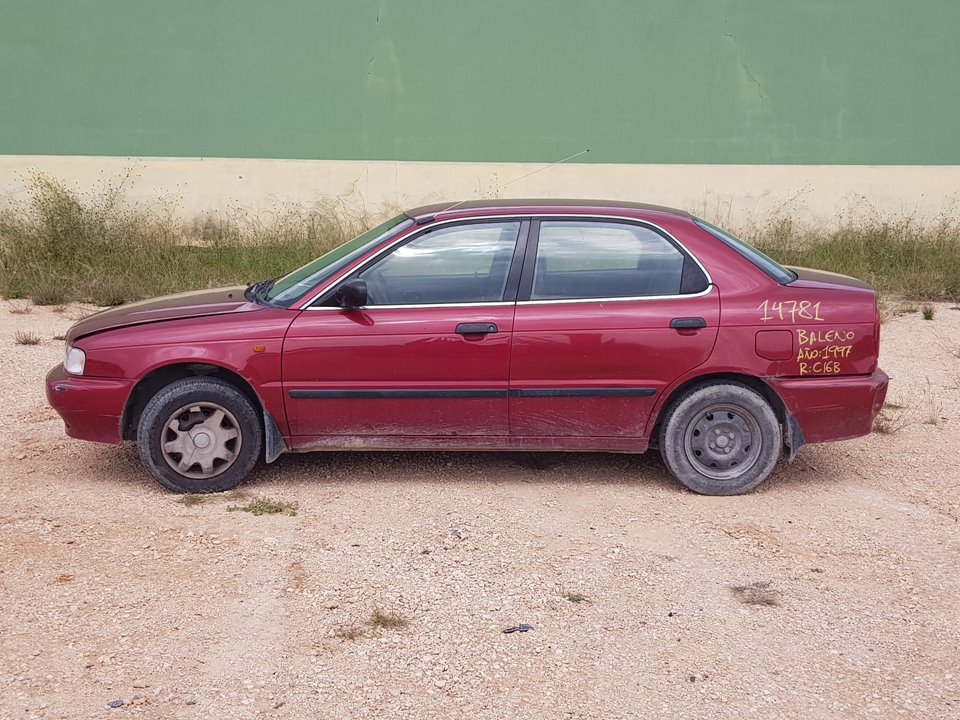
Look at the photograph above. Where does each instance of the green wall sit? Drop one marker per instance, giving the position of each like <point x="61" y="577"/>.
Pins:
<point x="636" y="81"/>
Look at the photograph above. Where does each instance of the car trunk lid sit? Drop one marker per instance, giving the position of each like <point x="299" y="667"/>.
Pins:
<point x="821" y="279"/>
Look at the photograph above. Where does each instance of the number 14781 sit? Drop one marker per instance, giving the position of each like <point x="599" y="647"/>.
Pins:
<point x="790" y="310"/>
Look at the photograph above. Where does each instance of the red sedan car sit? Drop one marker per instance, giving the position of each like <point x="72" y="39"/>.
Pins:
<point x="519" y="325"/>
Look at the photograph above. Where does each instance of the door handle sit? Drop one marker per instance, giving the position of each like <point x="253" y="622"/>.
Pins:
<point x="476" y="328"/>
<point x="688" y="323"/>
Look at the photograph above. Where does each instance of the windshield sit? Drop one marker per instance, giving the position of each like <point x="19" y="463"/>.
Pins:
<point x="290" y="288"/>
<point x="771" y="267"/>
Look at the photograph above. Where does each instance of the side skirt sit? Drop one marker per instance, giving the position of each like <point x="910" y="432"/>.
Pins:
<point x="468" y="443"/>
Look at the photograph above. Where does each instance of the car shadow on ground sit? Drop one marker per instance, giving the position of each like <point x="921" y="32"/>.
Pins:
<point x="116" y="466"/>
<point x="471" y="467"/>
<point x="821" y="467"/>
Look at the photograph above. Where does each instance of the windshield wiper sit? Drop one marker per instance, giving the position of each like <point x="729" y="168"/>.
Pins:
<point x="258" y="291"/>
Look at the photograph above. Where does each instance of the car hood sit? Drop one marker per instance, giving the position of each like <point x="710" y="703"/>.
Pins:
<point x="807" y="277"/>
<point x="170" y="307"/>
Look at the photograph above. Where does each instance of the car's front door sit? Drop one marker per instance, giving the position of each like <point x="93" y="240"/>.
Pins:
<point x="610" y="312"/>
<point x="427" y="356"/>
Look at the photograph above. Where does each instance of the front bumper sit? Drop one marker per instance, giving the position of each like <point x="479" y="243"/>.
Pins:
<point x="833" y="408"/>
<point x="91" y="408"/>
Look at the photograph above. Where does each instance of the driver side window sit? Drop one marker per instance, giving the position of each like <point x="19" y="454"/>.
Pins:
<point x="466" y="263"/>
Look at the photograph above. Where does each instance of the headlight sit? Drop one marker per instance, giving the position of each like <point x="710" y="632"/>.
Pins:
<point x="74" y="361"/>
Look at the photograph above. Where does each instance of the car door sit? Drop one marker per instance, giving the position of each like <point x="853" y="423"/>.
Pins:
<point x="609" y="313"/>
<point x="427" y="355"/>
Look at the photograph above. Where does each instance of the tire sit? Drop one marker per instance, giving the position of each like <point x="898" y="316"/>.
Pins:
<point x="721" y="438"/>
<point x="209" y="419"/>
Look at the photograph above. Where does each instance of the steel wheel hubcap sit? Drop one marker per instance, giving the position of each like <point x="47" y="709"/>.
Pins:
<point x="201" y="440"/>
<point x="722" y="441"/>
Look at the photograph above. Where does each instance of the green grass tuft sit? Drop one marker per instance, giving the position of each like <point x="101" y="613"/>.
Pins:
<point x="26" y="337"/>
<point x="928" y="312"/>
<point x="890" y="423"/>
<point x="387" y="620"/>
<point x="379" y="620"/>
<point x="265" y="506"/>
<point x="47" y="293"/>
<point x="757" y="593"/>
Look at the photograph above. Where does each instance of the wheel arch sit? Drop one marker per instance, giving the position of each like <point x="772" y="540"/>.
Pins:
<point x="162" y="376"/>
<point x="751" y="381"/>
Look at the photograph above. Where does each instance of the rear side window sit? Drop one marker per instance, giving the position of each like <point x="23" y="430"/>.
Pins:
<point x="578" y="259"/>
<point x="770" y="266"/>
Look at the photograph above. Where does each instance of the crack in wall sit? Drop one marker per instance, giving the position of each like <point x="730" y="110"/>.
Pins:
<point x="748" y="73"/>
<point x="753" y="78"/>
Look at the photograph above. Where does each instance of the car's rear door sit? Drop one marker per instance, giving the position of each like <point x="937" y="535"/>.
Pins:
<point x="428" y="355"/>
<point x="610" y="312"/>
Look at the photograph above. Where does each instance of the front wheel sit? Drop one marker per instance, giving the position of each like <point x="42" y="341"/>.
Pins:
<point x="199" y="435"/>
<point x="721" y="438"/>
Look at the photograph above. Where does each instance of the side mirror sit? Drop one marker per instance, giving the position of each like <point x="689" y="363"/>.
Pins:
<point x="352" y="295"/>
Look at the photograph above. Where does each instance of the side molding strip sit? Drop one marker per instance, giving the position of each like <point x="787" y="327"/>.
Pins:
<point x="394" y="394"/>
<point x="583" y="392"/>
<point x="450" y="394"/>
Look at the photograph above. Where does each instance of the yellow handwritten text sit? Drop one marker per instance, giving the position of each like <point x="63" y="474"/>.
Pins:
<point x="820" y="368"/>
<point x="822" y="350"/>
<point x="815" y="337"/>
<point x="790" y="310"/>
<point x="830" y="352"/>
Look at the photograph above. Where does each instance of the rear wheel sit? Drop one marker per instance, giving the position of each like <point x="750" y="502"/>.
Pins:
<point x="199" y="434"/>
<point x="721" y="438"/>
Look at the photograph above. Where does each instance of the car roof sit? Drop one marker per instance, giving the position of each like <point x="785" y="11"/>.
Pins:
<point x="539" y="205"/>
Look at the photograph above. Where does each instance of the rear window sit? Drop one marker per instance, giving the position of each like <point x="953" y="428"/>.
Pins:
<point x="770" y="266"/>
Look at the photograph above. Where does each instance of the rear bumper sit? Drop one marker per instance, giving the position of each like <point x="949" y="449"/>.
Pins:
<point x="91" y="408"/>
<point x="837" y="408"/>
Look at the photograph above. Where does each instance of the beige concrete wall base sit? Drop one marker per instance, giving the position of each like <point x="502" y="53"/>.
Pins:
<point x="734" y="195"/>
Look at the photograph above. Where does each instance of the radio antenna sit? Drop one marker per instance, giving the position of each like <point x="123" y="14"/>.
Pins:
<point x="522" y="177"/>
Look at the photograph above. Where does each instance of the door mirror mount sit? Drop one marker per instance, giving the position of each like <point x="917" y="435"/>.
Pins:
<point x="352" y="295"/>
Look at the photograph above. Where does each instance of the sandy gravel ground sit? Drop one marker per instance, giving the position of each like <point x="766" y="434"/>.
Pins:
<point x="112" y="590"/>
